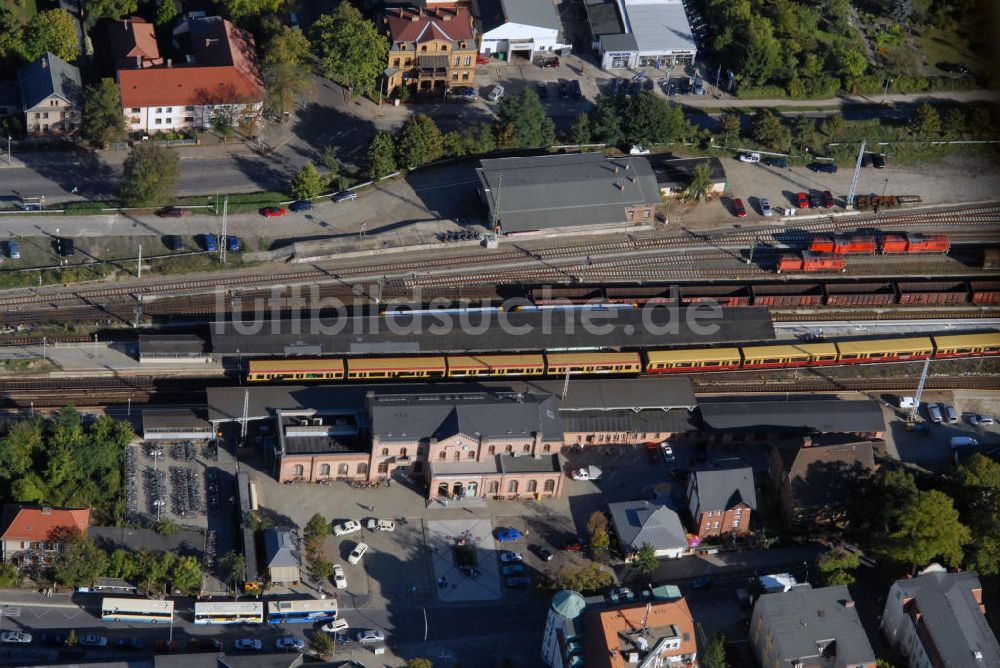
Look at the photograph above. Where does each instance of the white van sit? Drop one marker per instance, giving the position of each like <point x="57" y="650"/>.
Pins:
<point x="906" y="402"/>
<point x="496" y="93"/>
<point x="962" y="441"/>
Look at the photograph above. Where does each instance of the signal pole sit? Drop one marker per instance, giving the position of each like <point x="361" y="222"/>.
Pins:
<point x="223" y="242"/>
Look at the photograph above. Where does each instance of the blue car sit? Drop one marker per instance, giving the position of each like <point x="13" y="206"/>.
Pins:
<point x="211" y="245"/>
<point x="508" y="535"/>
<point x="233" y="244"/>
<point x="13" y="250"/>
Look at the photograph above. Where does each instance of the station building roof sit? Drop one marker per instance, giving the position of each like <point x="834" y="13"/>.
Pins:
<point x="821" y="415"/>
<point x="499" y="332"/>
<point x="171" y="344"/>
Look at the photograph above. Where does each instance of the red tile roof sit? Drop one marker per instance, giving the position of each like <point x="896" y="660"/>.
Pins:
<point x="34" y="523"/>
<point x="450" y="24"/>
<point x="187" y="85"/>
<point x="133" y="39"/>
<point x="605" y="630"/>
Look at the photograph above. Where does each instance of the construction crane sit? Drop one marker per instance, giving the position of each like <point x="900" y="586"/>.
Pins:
<point x="849" y="204"/>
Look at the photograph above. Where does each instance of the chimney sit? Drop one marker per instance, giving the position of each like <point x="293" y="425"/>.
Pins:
<point x="125" y="24"/>
<point x="807" y="441"/>
<point x="46" y="510"/>
<point x="45" y="63"/>
<point x="170" y="62"/>
<point x="138" y="62"/>
<point x="620" y="186"/>
<point x="848" y="603"/>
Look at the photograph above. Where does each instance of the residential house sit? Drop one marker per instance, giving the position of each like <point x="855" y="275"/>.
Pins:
<point x="938" y="619"/>
<point x="430" y="49"/>
<point x="219" y="75"/>
<point x="814" y="480"/>
<point x="281" y="554"/>
<point x="673" y="176"/>
<point x="27" y="532"/>
<point x="809" y="627"/>
<point x="132" y="44"/>
<point x="721" y="501"/>
<point x="519" y="29"/>
<point x="643" y="522"/>
<point x="656" y="633"/>
<point x="572" y="190"/>
<point x="50" y="96"/>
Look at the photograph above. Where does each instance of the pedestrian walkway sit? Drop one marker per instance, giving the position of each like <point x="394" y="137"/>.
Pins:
<point x="98" y="358"/>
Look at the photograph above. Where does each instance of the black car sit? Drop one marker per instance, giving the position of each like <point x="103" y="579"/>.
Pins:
<point x="781" y="163"/>
<point x="574" y="89"/>
<point x="344" y="196"/>
<point x="170" y="212"/>
<point x="302" y="205"/>
<point x="815" y="200"/>
<point x="55" y="639"/>
<point x="543" y="90"/>
<point x="878" y="161"/>
<point x="563" y="90"/>
<point x="541" y="552"/>
<point x="65" y="246"/>
<point x="174" y="242"/>
<point x="866" y="160"/>
<point x="825" y="167"/>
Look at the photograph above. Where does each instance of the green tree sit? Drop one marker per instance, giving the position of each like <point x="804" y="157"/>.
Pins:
<point x="953" y="122"/>
<point x="645" y="559"/>
<point x="524" y="117"/>
<point x="928" y="528"/>
<point x="768" y="131"/>
<point x="149" y="175"/>
<point x="701" y="181"/>
<point x="11" y="33"/>
<point x="287" y="45"/>
<point x="586" y="579"/>
<point x="307" y="183"/>
<point x="222" y="121"/>
<point x="599" y="539"/>
<point x="833" y="125"/>
<point x="350" y="49"/>
<point x="103" y="120"/>
<point x="123" y="564"/>
<point x="166" y="527"/>
<point x="319" y="568"/>
<point x="880" y="501"/>
<point x="53" y="30"/>
<point x="597" y="520"/>
<point x="579" y="131"/>
<point x="186" y="575"/>
<point x="381" y="155"/>
<point x="714" y="655"/>
<point x="317" y="529"/>
<point x="730" y="125"/>
<point x="927" y="121"/>
<point x="803" y="130"/>
<point x="605" y="121"/>
<point x="234" y="566"/>
<point x="283" y="82"/>
<point x="418" y="142"/>
<point x="79" y="561"/>
<point x="166" y="12"/>
<point x="977" y="483"/>
<point x="321" y="644"/>
<point x="648" y="119"/>
<point x="837" y="566"/>
<point x="19" y="444"/>
<point x="851" y="63"/>
<point x="8" y="576"/>
<point x="419" y="663"/>
<point x="760" y="52"/>
<point x="108" y="9"/>
<point x="238" y="10"/>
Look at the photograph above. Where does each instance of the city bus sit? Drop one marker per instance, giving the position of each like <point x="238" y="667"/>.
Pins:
<point x="137" y="610"/>
<point x="243" y="612"/>
<point x="302" y="611"/>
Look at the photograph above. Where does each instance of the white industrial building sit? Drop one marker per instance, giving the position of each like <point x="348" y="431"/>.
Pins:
<point x="519" y="29"/>
<point x="641" y="33"/>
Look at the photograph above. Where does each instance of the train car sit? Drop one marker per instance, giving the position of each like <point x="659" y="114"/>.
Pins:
<point x="810" y="262"/>
<point x="495" y="365"/>
<point x="296" y="369"/>
<point x="559" y="364"/>
<point x="798" y="354"/>
<point x="905" y="244"/>
<point x="933" y="292"/>
<point x="791" y="294"/>
<point x="963" y="345"/>
<point x="844" y="244"/>
<point x="860" y="294"/>
<point x="985" y="292"/>
<point x="702" y="359"/>
<point x="396" y="367"/>
<point x="885" y="350"/>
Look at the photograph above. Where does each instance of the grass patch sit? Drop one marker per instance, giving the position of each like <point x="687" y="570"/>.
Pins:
<point x="27" y="365"/>
<point x="61" y="276"/>
<point x="946" y="46"/>
<point x="23" y="9"/>
<point x="189" y="264"/>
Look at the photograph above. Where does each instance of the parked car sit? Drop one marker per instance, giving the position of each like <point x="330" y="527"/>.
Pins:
<point x="667" y="452"/>
<point x="550" y="62"/>
<point x="824" y="167"/>
<point x="55" y="639"/>
<point x="495" y="94"/>
<point x="638" y="149"/>
<point x="174" y="242"/>
<point x="210" y="645"/>
<point x="827" y="199"/>
<point x="344" y="196"/>
<point x="615" y="87"/>
<point x="13" y="250"/>
<point x="563" y="90"/>
<point x="541" y="552"/>
<point x="950" y="414"/>
<point x="463" y="94"/>
<point x="233" y="244"/>
<point x="543" y="90"/>
<point x="211" y="245"/>
<point x="512" y="569"/>
<point x="780" y="163"/>
<point x="335" y="626"/>
<point x="359" y="551"/>
<point x="93" y="640"/>
<point x="801" y="200"/>
<point x="339" y="579"/>
<point x="302" y="205"/>
<point x="980" y="420"/>
<point x="508" y="557"/>
<point x="519" y="582"/>
<point x="248" y="644"/>
<point x="373" y="524"/>
<point x="15" y="637"/>
<point x="738" y="209"/>
<point x="170" y="212"/>
<point x="815" y="200"/>
<point x="371" y="637"/>
<point x="963" y="442"/>
<point x="572" y="545"/>
<point x="65" y="246"/>
<point x="878" y="160"/>
<point x="749" y="157"/>
<point x="507" y="534"/>
<point x="652" y="453"/>
<point x="765" y="207"/>
<point x="344" y="528"/>
<point x="574" y="89"/>
<point x="698" y="88"/>
<point x="701" y="583"/>
<point x="935" y="412"/>
<point x="129" y="643"/>
<point x="273" y="211"/>
<point x="290" y="642"/>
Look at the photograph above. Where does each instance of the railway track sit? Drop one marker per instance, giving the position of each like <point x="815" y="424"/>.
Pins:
<point x="707" y="385"/>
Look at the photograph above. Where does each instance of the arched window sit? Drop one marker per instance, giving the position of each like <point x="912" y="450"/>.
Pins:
<point x="527" y="447"/>
<point x="492" y="450"/>
<point x="532" y="485"/>
<point x="550" y="485"/>
<point x="298" y="470"/>
<point x="512" y="487"/>
<point x="472" y="454"/>
<point x="458" y="455"/>
<point x="442" y="455"/>
<point x="494" y="487"/>
<point x="510" y="448"/>
<point x="547" y="448"/>
<point x="363" y="468"/>
<point x="402" y="452"/>
<point x="324" y="469"/>
<point x="385" y="452"/>
<point x="342" y="469"/>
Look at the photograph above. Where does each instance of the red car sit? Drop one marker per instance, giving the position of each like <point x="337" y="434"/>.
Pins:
<point x="273" y="211"/>
<point x="653" y="453"/>
<point x="802" y="201"/>
<point x="738" y="209"/>
<point x="550" y="62"/>
<point x="827" y="199"/>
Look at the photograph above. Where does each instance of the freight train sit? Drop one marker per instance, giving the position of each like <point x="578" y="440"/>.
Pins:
<point x="827" y="251"/>
<point x="626" y="363"/>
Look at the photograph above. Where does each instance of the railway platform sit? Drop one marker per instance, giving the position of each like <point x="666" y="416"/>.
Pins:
<point x="95" y="359"/>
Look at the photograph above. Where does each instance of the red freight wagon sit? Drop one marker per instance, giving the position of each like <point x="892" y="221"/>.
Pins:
<point x="859" y="294"/>
<point x="856" y="244"/>
<point x="933" y="293"/>
<point x="985" y="292"/>
<point x="810" y="262"/>
<point x="894" y="243"/>
<point x="822" y="243"/>
<point x="926" y="243"/>
<point x="809" y="294"/>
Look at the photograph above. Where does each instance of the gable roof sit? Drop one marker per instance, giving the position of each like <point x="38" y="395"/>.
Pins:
<point x="495" y="13"/>
<point x="808" y="415"/>
<point x="37" y="522"/>
<point x="722" y="489"/>
<point x="642" y="521"/>
<point x="48" y="75"/>
<point x="133" y="44"/>
<point x="409" y="24"/>
<point x="816" y="474"/>
<point x="679" y="172"/>
<point x="281" y="547"/>
<point x="950" y="613"/>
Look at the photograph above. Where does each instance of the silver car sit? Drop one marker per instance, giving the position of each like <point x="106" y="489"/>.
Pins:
<point x="934" y="410"/>
<point x="765" y="207"/>
<point x="950" y="413"/>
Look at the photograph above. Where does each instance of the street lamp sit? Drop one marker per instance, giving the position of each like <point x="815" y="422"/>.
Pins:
<point x="888" y="80"/>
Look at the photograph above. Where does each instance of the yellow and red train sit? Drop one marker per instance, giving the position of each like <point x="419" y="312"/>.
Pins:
<point x="625" y="363"/>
